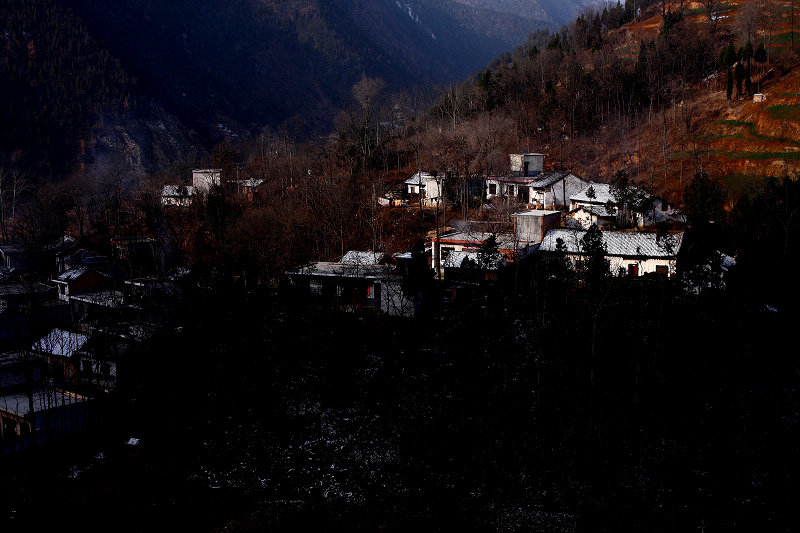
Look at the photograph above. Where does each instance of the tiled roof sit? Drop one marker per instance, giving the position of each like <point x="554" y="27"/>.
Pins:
<point x="477" y="238"/>
<point x="547" y="179"/>
<point x="536" y="213"/>
<point x="177" y="191"/>
<point x="354" y="257"/>
<point x="623" y="244"/>
<point x="416" y="178"/>
<point x="602" y="192"/>
<point x="72" y="274"/>
<point x="456" y="260"/>
<point x="60" y="342"/>
<point x="250" y="183"/>
<point x="339" y="270"/>
<point x="597" y="210"/>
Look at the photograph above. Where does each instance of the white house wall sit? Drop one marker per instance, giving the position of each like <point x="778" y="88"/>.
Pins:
<point x="646" y="266"/>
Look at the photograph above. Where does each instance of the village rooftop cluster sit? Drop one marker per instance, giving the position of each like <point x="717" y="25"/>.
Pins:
<point x="94" y="308"/>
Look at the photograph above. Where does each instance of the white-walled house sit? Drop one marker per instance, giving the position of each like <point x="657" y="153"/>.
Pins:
<point x="203" y="179"/>
<point x="352" y="287"/>
<point x="548" y="190"/>
<point x="177" y="195"/>
<point x="427" y="186"/>
<point x="469" y="241"/>
<point x="634" y="253"/>
<point x="527" y="183"/>
<point x="593" y="205"/>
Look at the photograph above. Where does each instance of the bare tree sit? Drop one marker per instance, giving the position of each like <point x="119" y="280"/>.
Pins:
<point x="772" y="16"/>
<point x="750" y="17"/>
<point x="18" y="186"/>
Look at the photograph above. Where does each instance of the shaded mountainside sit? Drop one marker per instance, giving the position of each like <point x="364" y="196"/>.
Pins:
<point x="60" y="89"/>
<point x="555" y="12"/>
<point x="77" y="73"/>
<point x="254" y="63"/>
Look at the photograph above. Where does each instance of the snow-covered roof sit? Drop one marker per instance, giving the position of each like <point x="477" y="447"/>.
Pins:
<point x="408" y="255"/>
<point x="339" y="270"/>
<point x="456" y="260"/>
<point x="597" y="210"/>
<point x="354" y="257"/>
<point x="477" y="238"/>
<point x="535" y="213"/>
<point x="548" y="178"/>
<point x="602" y="193"/>
<point x="250" y="183"/>
<point x="178" y="273"/>
<point x="42" y="400"/>
<point x="102" y="298"/>
<point x="62" y="244"/>
<point x="418" y="177"/>
<point x="622" y="244"/>
<point x="72" y="274"/>
<point x="727" y="262"/>
<point x="177" y="191"/>
<point x="60" y="342"/>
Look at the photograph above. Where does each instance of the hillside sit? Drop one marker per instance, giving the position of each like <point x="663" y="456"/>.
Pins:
<point x="262" y="63"/>
<point x="648" y="94"/>
<point x="555" y="12"/>
<point x="736" y="141"/>
<point x="216" y="69"/>
<point x="61" y="89"/>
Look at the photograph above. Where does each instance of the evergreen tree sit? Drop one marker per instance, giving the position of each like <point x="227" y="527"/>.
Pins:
<point x="739" y="74"/>
<point x="596" y="264"/>
<point x="729" y="85"/>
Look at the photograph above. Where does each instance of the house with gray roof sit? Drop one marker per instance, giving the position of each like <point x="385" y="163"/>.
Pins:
<point x="427" y="187"/>
<point x="597" y="204"/>
<point x="351" y="287"/>
<point x="355" y="257"/>
<point x="634" y="253"/>
<point x="177" y="195"/>
<point x="80" y="280"/>
<point x="529" y="185"/>
<point x="472" y="267"/>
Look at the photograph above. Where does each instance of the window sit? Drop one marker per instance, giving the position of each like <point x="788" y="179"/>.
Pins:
<point x="662" y="270"/>
<point x="510" y="190"/>
<point x="315" y="286"/>
<point x="370" y="291"/>
<point x="492" y="188"/>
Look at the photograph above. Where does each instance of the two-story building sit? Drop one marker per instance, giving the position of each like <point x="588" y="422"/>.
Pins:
<point x="528" y="184"/>
<point x="427" y="187"/>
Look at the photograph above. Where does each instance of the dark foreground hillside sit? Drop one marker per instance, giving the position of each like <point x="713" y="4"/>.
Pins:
<point x="505" y="414"/>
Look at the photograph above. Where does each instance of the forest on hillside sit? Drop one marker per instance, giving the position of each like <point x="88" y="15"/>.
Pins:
<point x="57" y="83"/>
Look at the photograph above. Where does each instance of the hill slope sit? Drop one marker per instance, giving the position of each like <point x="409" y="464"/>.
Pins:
<point x="250" y="63"/>
<point x="60" y="88"/>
